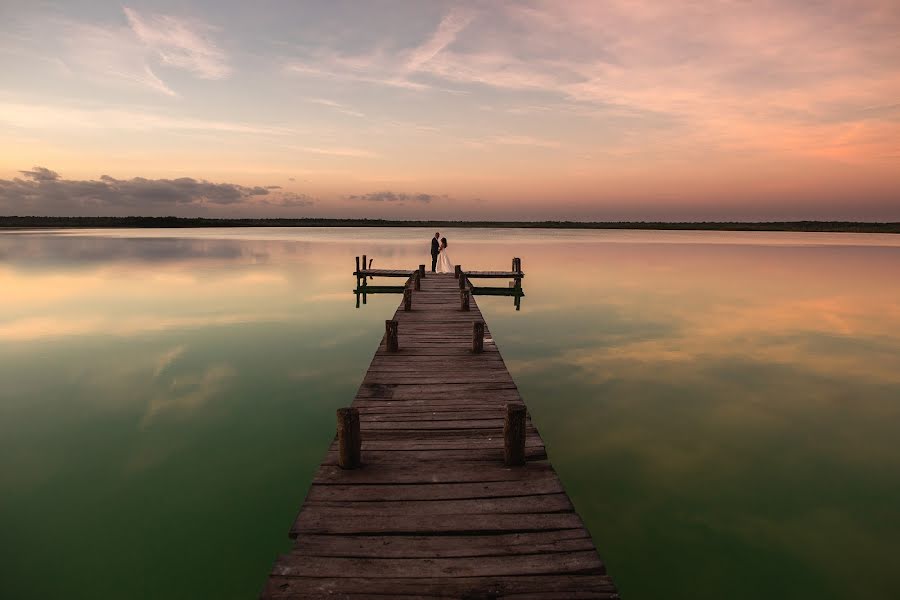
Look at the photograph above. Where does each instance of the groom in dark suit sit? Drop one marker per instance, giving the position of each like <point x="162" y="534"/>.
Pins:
<point x="435" y="250"/>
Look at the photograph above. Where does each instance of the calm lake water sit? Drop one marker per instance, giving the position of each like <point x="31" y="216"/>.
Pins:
<point x="723" y="408"/>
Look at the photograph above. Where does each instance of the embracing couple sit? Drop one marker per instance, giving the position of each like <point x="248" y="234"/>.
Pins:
<point x="440" y="260"/>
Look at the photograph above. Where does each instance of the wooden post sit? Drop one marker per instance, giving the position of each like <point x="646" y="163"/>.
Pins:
<point x="348" y="438"/>
<point x="514" y="435"/>
<point x="462" y="280"/>
<point x="478" y="337"/>
<point x="457" y="271"/>
<point x="422" y="271"/>
<point x="364" y="262"/>
<point x="407" y="299"/>
<point x="464" y="300"/>
<point x="391" y="339"/>
<point x="513" y="268"/>
<point x="357" y="267"/>
<point x="417" y="281"/>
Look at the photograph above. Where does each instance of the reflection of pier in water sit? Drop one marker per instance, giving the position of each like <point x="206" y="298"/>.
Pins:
<point x="438" y="484"/>
<point x="513" y="290"/>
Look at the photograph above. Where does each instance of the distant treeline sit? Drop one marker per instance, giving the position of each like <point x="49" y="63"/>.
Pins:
<point x="148" y="222"/>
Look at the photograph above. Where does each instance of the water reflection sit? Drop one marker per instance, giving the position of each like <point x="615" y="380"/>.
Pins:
<point x="722" y="408"/>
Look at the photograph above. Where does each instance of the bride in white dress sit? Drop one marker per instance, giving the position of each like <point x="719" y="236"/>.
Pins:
<point x="444" y="264"/>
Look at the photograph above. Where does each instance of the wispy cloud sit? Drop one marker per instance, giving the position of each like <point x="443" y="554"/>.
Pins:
<point x="108" y="55"/>
<point x="393" y="69"/>
<point x="341" y="108"/>
<point x="180" y="43"/>
<point x="65" y="118"/>
<point x="134" y="53"/>
<point x="335" y="151"/>
<point x="446" y="33"/>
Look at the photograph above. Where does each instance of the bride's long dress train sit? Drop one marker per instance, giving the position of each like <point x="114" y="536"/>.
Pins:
<point x="444" y="265"/>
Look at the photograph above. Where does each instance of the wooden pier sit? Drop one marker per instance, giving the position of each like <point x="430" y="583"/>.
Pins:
<point x="438" y="484"/>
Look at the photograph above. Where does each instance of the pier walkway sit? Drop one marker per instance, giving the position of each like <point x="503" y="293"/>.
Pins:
<point x="437" y="503"/>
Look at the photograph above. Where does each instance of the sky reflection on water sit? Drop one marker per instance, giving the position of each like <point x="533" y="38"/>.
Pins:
<point x="721" y="407"/>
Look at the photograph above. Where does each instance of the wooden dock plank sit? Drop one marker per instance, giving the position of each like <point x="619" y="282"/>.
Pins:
<point x="442" y="546"/>
<point x="520" y="587"/>
<point x="434" y="511"/>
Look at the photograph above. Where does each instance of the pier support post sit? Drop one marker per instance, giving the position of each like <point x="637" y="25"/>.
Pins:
<point x="407" y="299"/>
<point x="422" y="271"/>
<point x="348" y="438"/>
<point x="457" y="270"/>
<point x="364" y="263"/>
<point x="391" y="339"/>
<point x="478" y="337"/>
<point x="462" y="280"/>
<point x="464" y="300"/>
<point x="417" y="281"/>
<point x="514" y="435"/>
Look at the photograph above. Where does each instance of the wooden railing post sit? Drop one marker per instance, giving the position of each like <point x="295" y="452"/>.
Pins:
<point x="456" y="271"/>
<point x="462" y="280"/>
<point x="348" y="438"/>
<point x="478" y="337"/>
<point x="417" y="281"/>
<point x="391" y="339"/>
<point x="464" y="300"/>
<point x="514" y="435"/>
<point x="407" y="299"/>
<point x="422" y="271"/>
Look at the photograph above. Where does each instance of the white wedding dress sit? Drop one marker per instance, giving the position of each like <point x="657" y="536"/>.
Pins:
<point x="444" y="264"/>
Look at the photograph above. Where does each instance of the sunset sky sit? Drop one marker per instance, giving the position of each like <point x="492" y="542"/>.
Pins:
<point x="669" y="110"/>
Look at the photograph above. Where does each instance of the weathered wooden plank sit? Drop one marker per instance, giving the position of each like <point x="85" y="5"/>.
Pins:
<point x="521" y="587"/>
<point x="543" y="503"/>
<point x="298" y="565"/>
<point x="441" y="455"/>
<point x="433" y="491"/>
<point x="443" y="546"/>
<point x="427" y="473"/>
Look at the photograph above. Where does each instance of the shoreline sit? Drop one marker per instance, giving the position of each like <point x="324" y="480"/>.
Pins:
<point x="18" y="223"/>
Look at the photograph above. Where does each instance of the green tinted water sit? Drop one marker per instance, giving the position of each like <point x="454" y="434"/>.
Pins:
<point x="723" y="408"/>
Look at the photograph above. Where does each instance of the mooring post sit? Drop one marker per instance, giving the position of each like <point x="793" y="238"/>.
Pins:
<point x="422" y="271"/>
<point x="417" y="281"/>
<point x="513" y="268"/>
<point x="407" y="299"/>
<point x="348" y="438"/>
<point x="514" y="435"/>
<point x="364" y="263"/>
<point x="478" y="337"/>
<point x="456" y="271"/>
<point x="464" y="300"/>
<point x="391" y="340"/>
